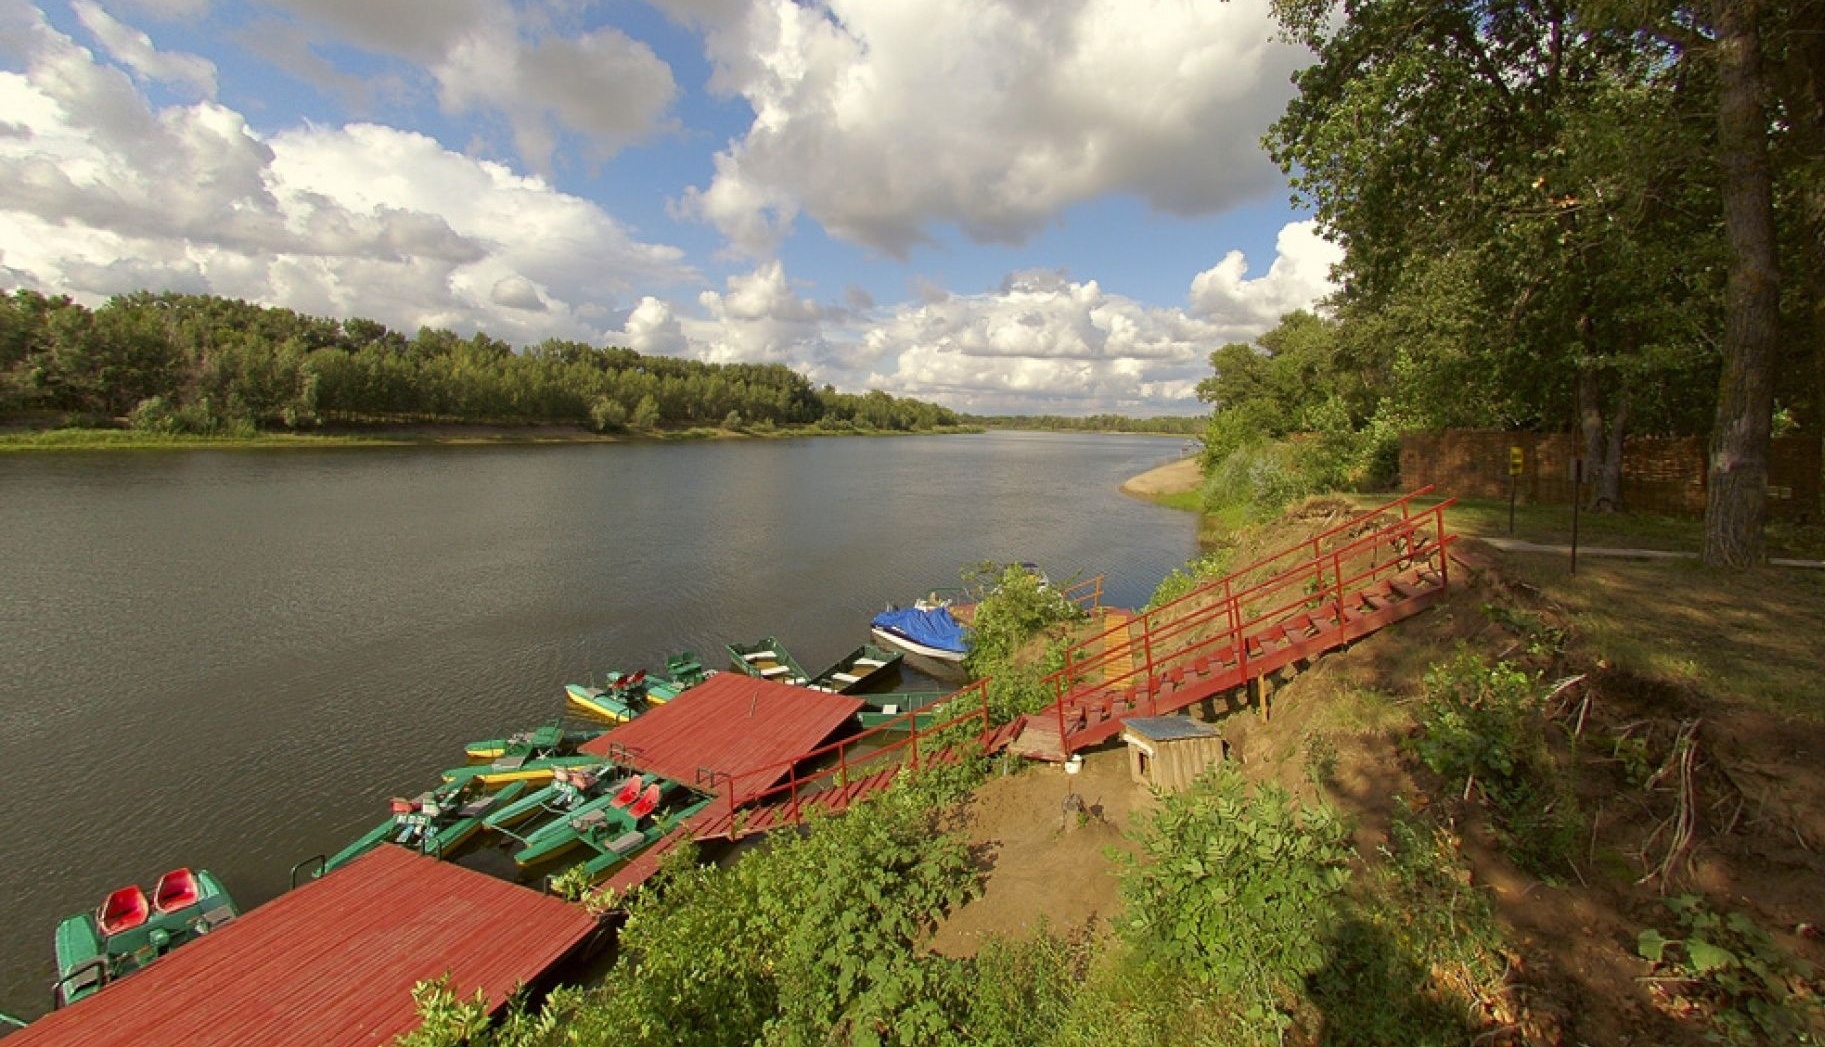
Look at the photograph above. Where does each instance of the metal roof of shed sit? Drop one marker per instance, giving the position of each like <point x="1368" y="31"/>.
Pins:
<point x="332" y="962"/>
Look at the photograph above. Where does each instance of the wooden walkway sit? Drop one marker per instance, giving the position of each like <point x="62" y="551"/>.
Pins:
<point x="331" y="963"/>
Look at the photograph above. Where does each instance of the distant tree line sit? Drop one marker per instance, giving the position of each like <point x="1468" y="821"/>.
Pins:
<point x="199" y="363"/>
<point x="1192" y="425"/>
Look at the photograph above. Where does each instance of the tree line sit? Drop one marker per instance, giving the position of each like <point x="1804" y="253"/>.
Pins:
<point x="201" y="363"/>
<point x="1594" y="216"/>
<point x="1175" y="425"/>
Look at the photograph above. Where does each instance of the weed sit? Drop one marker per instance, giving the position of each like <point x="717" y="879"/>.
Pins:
<point x="1481" y="729"/>
<point x="1728" y="967"/>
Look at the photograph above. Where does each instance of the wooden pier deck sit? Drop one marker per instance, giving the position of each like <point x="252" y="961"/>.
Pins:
<point x="332" y="962"/>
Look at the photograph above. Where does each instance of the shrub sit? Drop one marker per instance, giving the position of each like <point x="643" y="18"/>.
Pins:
<point x="607" y="415"/>
<point x="1482" y="729"/>
<point x="1236" y="893"/>
<point x="1254" y="482"/>
<point x="1014" y="611"/>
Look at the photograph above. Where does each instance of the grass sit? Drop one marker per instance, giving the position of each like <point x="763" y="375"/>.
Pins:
<point x="1758" y="635"/>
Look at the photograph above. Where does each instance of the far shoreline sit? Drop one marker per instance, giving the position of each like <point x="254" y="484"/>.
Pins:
<point x="408" y="435"/>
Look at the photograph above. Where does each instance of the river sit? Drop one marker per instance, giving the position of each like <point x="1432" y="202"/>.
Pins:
<point x="228" y="659"/>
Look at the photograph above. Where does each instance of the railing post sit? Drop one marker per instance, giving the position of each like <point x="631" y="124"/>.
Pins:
<point x="1236" y="642"/>
<point x="915" y="739"/>
<point x="1337" y="569"/>
<point x="1438" y="542"/>
<point x="1153" y="700"/>
<point x="842" y="763"/>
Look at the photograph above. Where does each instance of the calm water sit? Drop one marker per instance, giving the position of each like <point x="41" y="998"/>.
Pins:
<point x="229" y="660"/>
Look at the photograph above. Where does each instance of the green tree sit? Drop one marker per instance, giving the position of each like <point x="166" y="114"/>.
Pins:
<point x="646" y="414"/>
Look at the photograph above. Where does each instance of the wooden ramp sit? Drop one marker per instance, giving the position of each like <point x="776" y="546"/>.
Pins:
<point x="1361" y="576"/>
<point x="332" y="962"/>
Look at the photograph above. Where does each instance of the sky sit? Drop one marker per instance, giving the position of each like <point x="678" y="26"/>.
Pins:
<point x="1003" y="206"/>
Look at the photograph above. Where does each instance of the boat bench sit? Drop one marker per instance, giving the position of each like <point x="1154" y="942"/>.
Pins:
<point x="845" y="677"/>
<point x="626" y="842"/>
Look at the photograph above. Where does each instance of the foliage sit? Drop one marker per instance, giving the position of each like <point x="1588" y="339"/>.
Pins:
<point x="1481" y="728"/>
<point x="1254" y="483"/>
<point x="1173" y="425"/>
<point x="201" y="357"/>
<point x="1751" y="988"/>
<point x="1016" y="607"/>
<point x="1182" y="580"/>
<point x="1414" y="950"/>
<point x="444" y="1020"/>
<point x="808" y="940"/>
<point x="1020" y="993"/>
<point x="1236" y="892"/>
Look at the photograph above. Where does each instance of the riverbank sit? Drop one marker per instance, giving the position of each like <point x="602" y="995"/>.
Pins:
<point x="412" y="435"/>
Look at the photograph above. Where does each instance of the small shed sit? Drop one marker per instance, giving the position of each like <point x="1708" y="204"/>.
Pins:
<point x="1169" y="751"/>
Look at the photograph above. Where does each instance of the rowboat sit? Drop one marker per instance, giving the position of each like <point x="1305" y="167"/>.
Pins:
<point x="129" y="930"/>
<point x="435" y="823"/>
<point x="907" y="710"/>
<point x="863" y="669"/>
<point x="768" y="660"/>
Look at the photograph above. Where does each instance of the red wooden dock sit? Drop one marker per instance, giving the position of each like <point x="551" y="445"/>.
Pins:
<point x="332" y="962"/>
<point x="725" y="726"/>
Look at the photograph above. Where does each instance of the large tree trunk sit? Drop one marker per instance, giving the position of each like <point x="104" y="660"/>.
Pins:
<point x="1736" y="506"/>
<point x="1603" y="441"/>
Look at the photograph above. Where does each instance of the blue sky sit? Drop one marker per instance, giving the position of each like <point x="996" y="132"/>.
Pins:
<point x="1002" y="205"/>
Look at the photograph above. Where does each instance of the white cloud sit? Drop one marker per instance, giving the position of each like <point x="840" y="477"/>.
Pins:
<point x="107" y="194"/>
<point x="759" y="319"/>
<point x="1042" y="342"/>
<point x="493" y="56"/>
<point x="1299" y="276"/>
<point x="882" y="119"/>
<point x="134" y="49"/>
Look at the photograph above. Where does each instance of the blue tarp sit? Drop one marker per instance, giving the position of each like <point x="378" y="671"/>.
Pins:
<point x="933" y="628"/>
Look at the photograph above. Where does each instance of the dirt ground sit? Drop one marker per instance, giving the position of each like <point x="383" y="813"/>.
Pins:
<point x="1043" y="861"/>
<point x="1756" y="806"/>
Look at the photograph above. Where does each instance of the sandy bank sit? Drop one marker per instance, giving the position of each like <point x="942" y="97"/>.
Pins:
<point x="1177" y="478"/>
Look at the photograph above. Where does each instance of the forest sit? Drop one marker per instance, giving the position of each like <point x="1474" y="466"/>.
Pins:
<point x="1172" y="425"/>
<point x="205" y="364"/>
<point x="1598" y="217"/>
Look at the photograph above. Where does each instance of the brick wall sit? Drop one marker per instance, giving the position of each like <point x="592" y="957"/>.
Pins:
<point x="1662" y="475"/>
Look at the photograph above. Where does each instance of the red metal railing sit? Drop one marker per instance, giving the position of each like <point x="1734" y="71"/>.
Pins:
<point x="1232" y="620"/>
<point x="1167" y="640"/>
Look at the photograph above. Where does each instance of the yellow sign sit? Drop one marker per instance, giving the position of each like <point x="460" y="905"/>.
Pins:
<point x="1514" y="461"/>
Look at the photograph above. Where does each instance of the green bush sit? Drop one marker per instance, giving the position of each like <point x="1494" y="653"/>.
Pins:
<point x="607" y="415"/>
<point x="1180" y="581"/>
<point x="1236" y="892"/>
<point x="1015" y="609"/>
<point x="1482" y="729"/>
<point x="1254" y="483"/>
<point x="202" y="417"/>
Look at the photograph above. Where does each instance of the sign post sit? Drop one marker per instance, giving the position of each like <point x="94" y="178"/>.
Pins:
<point x="1577" y="498"/>
<point x="1515" y="459"/>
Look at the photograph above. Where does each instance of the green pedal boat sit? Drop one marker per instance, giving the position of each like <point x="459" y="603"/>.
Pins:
<point x="570" y="789"/>
<point x="130" y="930"/>
<point x="543" y="740"/>
<point x="624" y="696"/>
<point x="436" y="823"/>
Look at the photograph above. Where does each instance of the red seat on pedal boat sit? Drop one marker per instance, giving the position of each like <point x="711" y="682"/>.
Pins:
<point x="124" y="910"/>
<point x="176" y="889"/>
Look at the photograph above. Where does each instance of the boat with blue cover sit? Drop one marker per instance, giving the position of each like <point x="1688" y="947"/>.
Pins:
<point x="929" y="632"/>
<point x="130" y="930"/>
